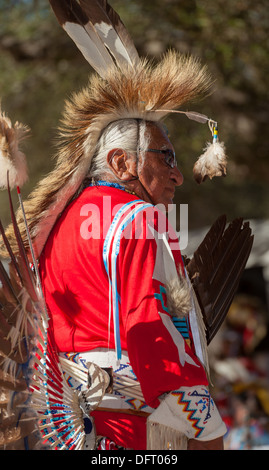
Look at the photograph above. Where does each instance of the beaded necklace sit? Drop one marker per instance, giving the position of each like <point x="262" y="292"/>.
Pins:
<point x="113" y="185"/>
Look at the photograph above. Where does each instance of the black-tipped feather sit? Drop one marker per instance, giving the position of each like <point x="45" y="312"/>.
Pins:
<point x="73" y="20"/>
<point x="98" y="32"/>
<point x="111" y="30"/>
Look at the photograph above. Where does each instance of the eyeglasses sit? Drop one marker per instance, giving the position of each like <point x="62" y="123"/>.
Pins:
<point x="169" y="156"/>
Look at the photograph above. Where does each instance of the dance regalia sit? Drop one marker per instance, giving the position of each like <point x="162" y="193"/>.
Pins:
<point x="105" y="270"/>
<point x="121" y="318"/>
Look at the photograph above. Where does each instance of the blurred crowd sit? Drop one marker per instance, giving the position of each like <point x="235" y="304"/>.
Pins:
<point x="239" y="357"/>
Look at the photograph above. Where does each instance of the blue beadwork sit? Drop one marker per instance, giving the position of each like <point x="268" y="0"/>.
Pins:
<point x="182" y="326"/>
<point x="107" y="183"/>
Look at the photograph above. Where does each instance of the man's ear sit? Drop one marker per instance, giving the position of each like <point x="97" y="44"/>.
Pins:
<point x="121" y="164"/>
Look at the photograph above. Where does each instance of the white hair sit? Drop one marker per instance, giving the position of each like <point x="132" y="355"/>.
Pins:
<point x="127" y="134"/>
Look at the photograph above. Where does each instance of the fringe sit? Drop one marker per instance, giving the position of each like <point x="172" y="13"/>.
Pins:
<point x="161" y="437"/>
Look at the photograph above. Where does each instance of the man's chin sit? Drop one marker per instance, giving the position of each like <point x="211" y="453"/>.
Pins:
<point x="165" y="206"/>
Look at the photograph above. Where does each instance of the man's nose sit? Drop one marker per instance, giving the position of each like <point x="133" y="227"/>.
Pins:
<point x="177" y="176"/>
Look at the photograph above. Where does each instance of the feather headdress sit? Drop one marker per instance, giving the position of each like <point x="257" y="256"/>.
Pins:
<point x="125" y="86"/>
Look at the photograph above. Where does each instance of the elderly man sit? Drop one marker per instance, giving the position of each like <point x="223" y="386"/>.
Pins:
<point x="134" y="169"/>
<point x="116" y="289"/>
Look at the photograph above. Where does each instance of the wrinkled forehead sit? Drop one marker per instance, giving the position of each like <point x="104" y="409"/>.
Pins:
<point x="157" y="135"/>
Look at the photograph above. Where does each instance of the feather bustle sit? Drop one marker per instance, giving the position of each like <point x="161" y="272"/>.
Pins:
<point x="31" y="378"/>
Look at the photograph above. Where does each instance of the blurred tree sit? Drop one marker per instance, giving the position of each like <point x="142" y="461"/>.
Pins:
<point x="40" y="67"/>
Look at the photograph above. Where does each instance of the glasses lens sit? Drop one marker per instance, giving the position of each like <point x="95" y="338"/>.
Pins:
<point x="170" y="158"/>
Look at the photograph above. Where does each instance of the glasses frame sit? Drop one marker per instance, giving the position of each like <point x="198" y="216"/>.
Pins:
<point x="167" y="153"/>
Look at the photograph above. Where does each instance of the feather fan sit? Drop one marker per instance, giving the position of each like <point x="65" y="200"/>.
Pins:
<point x="216" y="268"/>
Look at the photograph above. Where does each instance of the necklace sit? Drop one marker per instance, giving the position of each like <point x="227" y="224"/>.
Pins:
<point x="113" y="185"/>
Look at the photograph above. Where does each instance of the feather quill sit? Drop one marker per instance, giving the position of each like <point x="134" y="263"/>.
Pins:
<point x="198" y="117"/>
<point x="192" y="115"/>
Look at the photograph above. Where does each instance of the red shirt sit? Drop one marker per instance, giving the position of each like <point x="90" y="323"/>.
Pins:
<point x="76" y="288"/>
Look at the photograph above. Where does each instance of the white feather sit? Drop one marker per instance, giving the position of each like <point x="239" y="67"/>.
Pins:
<point x="212" y="163"/>
<point x="97" y="54"/>
<point x="12" y="160"/>
<point x="17" y="175"/>
<point x="109" y="36"/>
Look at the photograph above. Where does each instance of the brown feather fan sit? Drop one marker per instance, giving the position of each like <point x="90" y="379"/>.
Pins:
<point x="216" y="268"/>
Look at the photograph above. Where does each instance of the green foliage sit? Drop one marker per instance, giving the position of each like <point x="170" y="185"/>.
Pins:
<point x="40" y="67"/>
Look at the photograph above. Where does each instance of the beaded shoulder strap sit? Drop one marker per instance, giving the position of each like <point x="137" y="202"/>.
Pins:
<point x="122" y="219"/>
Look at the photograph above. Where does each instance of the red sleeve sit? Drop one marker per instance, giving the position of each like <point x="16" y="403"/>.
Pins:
<point x="154" y="345"/>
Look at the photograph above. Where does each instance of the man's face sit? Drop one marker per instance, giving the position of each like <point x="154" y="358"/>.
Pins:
<point x="157" y="177"/>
